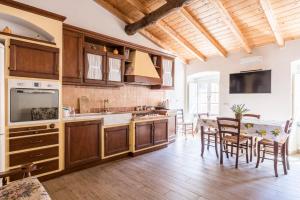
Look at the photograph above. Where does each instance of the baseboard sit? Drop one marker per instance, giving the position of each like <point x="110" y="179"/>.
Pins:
<point x="147" y="150"/>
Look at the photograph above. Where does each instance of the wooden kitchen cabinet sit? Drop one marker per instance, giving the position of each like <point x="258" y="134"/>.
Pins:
<point x="33" y="60"/>
<point x="82" y="143"/>
<point x="115" y="69"/>
<point x="72" y="56"/>
<point x="166" y="72"/>
<point x="143" y="135"/>
<point x="116" y="140"/>
<point x="151" y="133"/>
<point x="160" y="131"/>
<point x="172" y="128"/>
<point x="94" y="65"/>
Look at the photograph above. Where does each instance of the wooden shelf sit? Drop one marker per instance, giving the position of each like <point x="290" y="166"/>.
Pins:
<point x="27" y="38"/>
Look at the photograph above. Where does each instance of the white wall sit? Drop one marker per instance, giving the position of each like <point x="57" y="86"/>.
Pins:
<point x="278" y="104"/>
<point x="89" y="15"/>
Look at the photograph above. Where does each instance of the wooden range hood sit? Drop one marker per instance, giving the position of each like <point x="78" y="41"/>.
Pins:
<point x="141" y="70"/>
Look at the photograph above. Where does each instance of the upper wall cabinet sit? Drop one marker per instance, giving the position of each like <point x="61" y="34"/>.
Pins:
<point x="72" y="56"/>
<point x="94" y="65"/>
<point x="115" y="69"/>
<point x="165" y="69"/>
<point x="33" y="60"/>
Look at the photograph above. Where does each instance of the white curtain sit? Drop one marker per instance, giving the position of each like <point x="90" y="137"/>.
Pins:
<point x="167" y="72"/>
<point x="114" y="69"/>
<point x="95" y="67"/>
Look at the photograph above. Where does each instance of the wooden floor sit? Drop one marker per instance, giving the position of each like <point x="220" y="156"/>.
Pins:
<point x="178" y="172"/>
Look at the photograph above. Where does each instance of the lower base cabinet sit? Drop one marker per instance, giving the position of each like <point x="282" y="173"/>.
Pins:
<point x="116" y="140"/>
<point x="151" y="133"/>
<point x="82" y="143"/>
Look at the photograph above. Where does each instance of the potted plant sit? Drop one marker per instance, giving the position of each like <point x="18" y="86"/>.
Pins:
<point x="239" y="110"/>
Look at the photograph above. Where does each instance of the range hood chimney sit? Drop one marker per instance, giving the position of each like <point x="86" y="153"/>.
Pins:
<point x="141" y="70"/>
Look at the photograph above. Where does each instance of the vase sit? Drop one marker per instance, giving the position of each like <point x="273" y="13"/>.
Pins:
<point x="239" y="116"/>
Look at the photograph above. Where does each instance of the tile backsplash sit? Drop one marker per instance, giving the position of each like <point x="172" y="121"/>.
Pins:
<point x="126" y="96"/>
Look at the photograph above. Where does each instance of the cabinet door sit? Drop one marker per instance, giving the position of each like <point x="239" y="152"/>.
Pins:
<point x="82" y="143"/>
<point x="167" y="72"/>
<point x="172" y="128"/>
<point x="160" y="131"/>
<point x="72" y="56"/>
<point x="143" y="135"/>
<point x="115" y="68"/>
<point x="95" y="66"/>
<point x="33" y="60"/>
<point x="116" y="140"/>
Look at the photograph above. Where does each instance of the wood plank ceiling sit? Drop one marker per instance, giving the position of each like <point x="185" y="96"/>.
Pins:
<point x="204" y="28"/>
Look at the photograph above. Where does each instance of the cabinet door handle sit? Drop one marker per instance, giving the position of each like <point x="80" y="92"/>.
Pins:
<point x="36" y="155"/>
<point x="36" y="141"/>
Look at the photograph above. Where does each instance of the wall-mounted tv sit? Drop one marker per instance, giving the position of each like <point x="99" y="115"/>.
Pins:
<point x="251" y="82"/>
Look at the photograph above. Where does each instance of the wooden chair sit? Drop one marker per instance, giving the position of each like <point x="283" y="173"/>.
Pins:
<point x="230" y="136"/>
<point x="186" y="127"/>
<point x="25" y="170"/>
<point x="212" y="136"/>
<point x="252" y="144"/>
<point x="275" y="148"/>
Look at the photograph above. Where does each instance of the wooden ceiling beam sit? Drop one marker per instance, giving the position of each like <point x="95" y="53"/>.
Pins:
<point x="155" y="16"/>
<point x="178" y="38"/>
<point x="145" y="33"/>
<point x="267" y="8"/>
<point x="231" y="24"/>
<point x="198" y="26"/>
<point x="169" y="31"/>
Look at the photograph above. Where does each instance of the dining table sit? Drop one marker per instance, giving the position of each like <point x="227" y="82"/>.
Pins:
<point x="272" y="130"/>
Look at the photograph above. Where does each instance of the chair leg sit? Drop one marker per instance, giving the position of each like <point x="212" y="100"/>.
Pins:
<point x="287" y="154"/>
<point x="193" y="131"/>
<point x="275" y="158"/>
<point x="264" y="154"/>
<point x="185" y="131"/>
<point x="208" y="142"/>
<point x="221" y="151"/>
<point x="226" y="150"/>
<point x="237" y="155"/>
<point x="216" y="145"/>
<point x="283" y="157"/>
<point x="251" y="149"/>
<point x="255" y="146"/>
<point x="202" y="141"/>
<point x="231" y="151"/>
<point x="247" y="152"/>
<point x="258" y="155"/>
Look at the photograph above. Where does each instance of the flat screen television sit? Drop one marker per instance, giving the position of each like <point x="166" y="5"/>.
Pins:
<point x="251" y="82"/>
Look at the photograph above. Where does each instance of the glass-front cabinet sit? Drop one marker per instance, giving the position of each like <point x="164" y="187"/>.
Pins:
<point x="115" y="68"/>
<point x="167" y="72"/>
<point x="95" y="61"/>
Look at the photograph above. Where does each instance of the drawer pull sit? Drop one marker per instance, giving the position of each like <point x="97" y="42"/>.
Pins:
<point x="40" y="168"/>
<point x="36" y="141"/>
<point x="36" y="155"/>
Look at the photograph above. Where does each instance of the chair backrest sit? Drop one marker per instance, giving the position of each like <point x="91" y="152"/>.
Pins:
<point x="230" y="126"/>
<point x="202" y="115"/>
<point x="252" y="116"/>
<point x="179" y="116"/>
<point x="288" y="126"/>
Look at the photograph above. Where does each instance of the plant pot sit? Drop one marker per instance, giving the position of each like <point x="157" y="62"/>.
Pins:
<point x="238" y="116"/>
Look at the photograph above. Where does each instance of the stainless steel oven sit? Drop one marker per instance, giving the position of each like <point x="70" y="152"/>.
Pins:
<point x="33" y="101"/>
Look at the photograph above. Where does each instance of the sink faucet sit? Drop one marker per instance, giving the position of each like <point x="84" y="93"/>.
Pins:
<point x="106" y="101"/>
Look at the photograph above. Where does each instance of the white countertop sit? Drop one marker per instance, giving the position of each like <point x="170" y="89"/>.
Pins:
<point x="108" y="119"/>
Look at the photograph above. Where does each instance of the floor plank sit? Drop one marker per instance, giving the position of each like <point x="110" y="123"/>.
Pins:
<point x="178" y="172"/>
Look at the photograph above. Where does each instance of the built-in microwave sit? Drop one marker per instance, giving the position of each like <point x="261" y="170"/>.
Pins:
<point x="32" y="101"/>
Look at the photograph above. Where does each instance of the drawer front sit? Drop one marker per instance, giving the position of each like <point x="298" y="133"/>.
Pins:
<point x="31" y="156"/>
<point x="40" y="169"/>
<point x="32" y="142"/>
<point x="33" y="132"/>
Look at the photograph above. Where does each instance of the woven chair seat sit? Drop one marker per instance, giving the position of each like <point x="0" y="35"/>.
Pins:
<point x="233" y="139"/>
